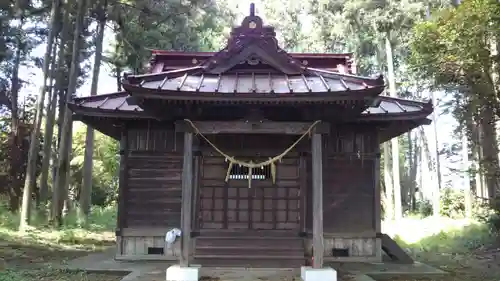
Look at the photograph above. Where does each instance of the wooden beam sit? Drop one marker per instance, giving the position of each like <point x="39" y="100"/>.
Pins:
<point x="187" y="194"/>
<point x="317" y="203"/>
<point x="243" y="127"/>
<point x="122" y="182"/>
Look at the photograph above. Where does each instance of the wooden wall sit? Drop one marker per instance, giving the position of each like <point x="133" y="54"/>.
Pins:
<point x="153" y="192"/>
<point x="350" y="218"/>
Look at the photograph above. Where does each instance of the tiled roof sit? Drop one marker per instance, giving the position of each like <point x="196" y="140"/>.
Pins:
<point x="317" y="81"/>
<point x="118" y="103"/>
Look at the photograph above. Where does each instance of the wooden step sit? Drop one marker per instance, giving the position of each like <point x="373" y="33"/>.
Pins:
<point x="263" y="234"/>
<point x="250" y="252"/>
<point x="254" y="241"/>
<point x="255" y="257"/>
<point x="260" y="249"/>
<point x="236" y="261"/>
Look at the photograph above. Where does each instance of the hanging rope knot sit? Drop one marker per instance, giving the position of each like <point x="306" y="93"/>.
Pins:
<point x="251" y="165"/>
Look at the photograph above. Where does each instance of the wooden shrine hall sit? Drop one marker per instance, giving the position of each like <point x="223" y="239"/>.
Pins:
<point x="261" y="157"/>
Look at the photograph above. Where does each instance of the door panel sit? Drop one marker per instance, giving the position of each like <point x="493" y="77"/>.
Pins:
<point x="266" y="205"/>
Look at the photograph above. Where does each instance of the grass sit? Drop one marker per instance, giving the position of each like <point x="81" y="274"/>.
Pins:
<point x="467" y="249"/>
<point x="35" y="254"/>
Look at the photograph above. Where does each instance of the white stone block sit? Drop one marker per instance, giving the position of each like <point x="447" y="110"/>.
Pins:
<point x="318" y="274"/>
<point x="180" y="273"/>
<point x="303" y="271"/>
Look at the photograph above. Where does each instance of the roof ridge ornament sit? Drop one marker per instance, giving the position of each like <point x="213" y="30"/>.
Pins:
<point x="252" y="9"/>
<point x="253" y="42"/>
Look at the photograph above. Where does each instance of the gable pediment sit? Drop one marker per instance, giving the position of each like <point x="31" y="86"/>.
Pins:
<point x="253" y="44"/>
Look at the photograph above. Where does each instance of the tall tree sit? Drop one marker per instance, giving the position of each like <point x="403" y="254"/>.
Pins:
<point x="49" y="128"/>
<point x="453" y="48"/>
<point x="30" y="180"/>
<point x="65" y="145"/>
<point x="396" y="184"/>
<point x="86" y="191"/>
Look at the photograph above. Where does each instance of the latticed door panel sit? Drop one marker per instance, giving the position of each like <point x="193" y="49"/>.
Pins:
<point x="264" y="206"/>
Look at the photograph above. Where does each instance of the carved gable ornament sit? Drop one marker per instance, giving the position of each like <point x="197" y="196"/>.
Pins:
<point x="253" y="43"/>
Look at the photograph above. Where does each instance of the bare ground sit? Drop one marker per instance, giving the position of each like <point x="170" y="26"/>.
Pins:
<point x="479" y="265"/>
<point x="30" y="257"/>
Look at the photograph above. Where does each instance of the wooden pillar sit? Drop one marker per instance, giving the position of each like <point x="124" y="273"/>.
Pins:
<point x="317" y="203"/>
<point x="122" y="186"/>
<point x="377" y="203"/>
<point x="187" y="195"/>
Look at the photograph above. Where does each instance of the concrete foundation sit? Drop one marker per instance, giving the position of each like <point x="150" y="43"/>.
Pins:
<point x="308" y="273"/>
<point x="180" y="273"/>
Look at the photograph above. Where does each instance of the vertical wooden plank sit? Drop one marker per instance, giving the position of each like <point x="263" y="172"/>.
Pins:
<point x="317" y="172"/>
<point x="378" y="249"/>
<point x="119" y="246"/>
<point x="368" y="247"/>
<point x="358" y="245"/>
<point x="187" y="195"/>
<point x="122" y="182"/>
<point x="149" y="242"/>
<point x="377" y="198"/>
<point x="129" y="246"/>
<point x="196" y="187"/>
<point x="303" y="191"/>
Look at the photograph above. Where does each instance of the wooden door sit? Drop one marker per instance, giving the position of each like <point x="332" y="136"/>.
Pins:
<point x="266" y="205"/>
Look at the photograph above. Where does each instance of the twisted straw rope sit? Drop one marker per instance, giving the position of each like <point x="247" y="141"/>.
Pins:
<point x="251" y="165"/>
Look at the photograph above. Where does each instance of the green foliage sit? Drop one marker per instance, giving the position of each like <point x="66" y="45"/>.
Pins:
<point x="455" y="240"/>
<point x="100" y="219"/>
<point x="105" y="166"/>
<point x="424" y="208"/>
<point x="453" y="49"/>
<point x="12" y="275"/>
<point x="141" y="26"/>
<point x="452" y="203"/>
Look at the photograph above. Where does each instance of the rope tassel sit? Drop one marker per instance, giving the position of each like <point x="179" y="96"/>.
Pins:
<point x="250" y="176"/>
<point x="273" y="172"/>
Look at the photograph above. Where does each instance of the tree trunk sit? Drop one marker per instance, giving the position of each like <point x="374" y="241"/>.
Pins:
<point x="465" y="168"/>
<point x="389" y="195"/>
<point x="15" y="153"/>
<point x="49" y="131"/>
<point x="65" y="146"/>
<point x="86" y="192"/>
<point x="426" y="167"/>
<point x="489" y="161"/>
<point x="476" y="154"/>
<point x="413" y="170"/>
<point x="437" y="191"/>
<point x="118" y="79"/>
<point x="398" y="210"/>
<point x="34" y="140"/>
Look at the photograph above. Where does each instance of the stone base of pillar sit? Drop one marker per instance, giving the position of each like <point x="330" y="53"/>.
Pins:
<point x="308" y="273"/>
<point x="181" y="273"/>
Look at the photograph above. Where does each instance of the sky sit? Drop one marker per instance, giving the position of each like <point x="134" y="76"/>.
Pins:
<point x="107" y="84"/>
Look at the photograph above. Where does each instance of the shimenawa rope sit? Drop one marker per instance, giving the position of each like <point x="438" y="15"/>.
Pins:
<point x="251" y="165"/>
